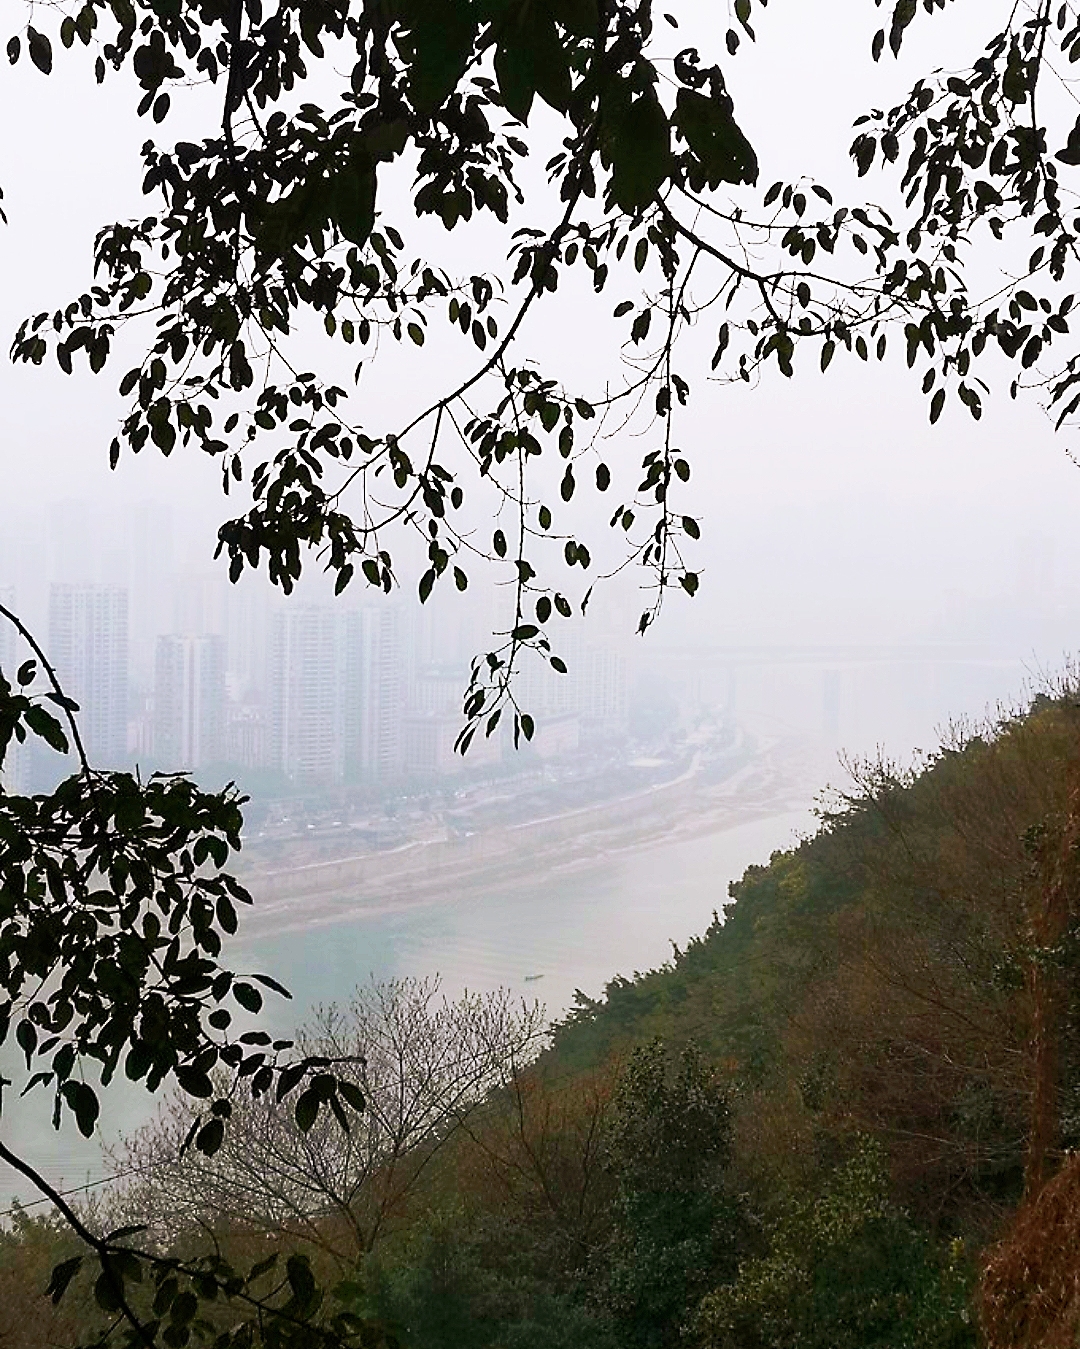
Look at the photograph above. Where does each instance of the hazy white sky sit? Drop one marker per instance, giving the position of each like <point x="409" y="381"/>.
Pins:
<point x="832" y="511"/>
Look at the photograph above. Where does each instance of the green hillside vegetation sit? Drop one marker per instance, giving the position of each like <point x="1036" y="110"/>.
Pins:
<point x="814" y="1126"/>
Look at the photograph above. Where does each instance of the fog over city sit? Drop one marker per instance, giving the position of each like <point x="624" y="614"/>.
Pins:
<point x="866" y="580"/>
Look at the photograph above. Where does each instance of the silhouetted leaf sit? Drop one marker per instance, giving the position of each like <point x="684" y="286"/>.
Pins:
<point x="40" y="50"/>
<point x="710" y="129"/>
<point x="637" y="140"/>
<point x="307" y="1109"/>
<point x="61" y="1277"/>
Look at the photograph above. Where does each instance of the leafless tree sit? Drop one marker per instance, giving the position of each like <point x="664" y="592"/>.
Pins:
<point x="423" y="1062"/>
<point x="541" y="1155"/>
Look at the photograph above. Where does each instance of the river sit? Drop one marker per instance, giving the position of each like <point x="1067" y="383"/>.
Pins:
<point x="542" y="935"/>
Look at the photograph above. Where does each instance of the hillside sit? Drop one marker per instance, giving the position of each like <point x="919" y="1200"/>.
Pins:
<point x="818" y="1122"/>
<point x="876" y="979"/>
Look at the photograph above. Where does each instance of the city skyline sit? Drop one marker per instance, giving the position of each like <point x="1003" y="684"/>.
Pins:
<point x="617" y="684"/>
<point x="316" y="694"/>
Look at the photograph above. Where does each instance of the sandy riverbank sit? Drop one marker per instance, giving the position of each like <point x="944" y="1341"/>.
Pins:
<point x="450" y="866"/>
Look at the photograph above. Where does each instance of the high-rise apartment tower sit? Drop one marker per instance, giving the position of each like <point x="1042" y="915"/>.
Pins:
<point x="304" y="690"/>
<point x="189" y="702"/>
<point x="373" y="692"/>
<point x="88" y="646"/>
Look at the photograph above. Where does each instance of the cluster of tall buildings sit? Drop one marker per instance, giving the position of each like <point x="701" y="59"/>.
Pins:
<point x="336" y="692"/>
<point x="314" y="693"/>
<point x="176" y="669"/>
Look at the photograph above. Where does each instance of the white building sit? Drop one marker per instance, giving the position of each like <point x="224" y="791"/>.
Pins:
<point x="557" y="736"/>
<point x="189" y="702"/>
<point x="248" y="620"/>
<point x="88" y="646"/>
<point x="594" y="689"/>
<point x="247" y="737"/>
<point x="436" y="719"/>
<point x="373" y="692"/>
<point x="305" y="741"/>
<point x="603" y="701"/>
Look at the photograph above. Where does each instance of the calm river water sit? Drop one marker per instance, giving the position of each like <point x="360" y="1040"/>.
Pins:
<point x="543" y="935"/>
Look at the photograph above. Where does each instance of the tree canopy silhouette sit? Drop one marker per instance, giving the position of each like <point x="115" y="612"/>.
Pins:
<point x="114" y="893"/>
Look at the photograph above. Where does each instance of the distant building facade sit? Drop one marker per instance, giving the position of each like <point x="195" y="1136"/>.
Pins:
<point x="603" y="700"/>
<point x="335" y="695"/>
<point x="304" y="694"/>
<point x="88" y="646"/>
<point x="434" y="722"/>
<point x="373" y="693"/>
<point x="189" y="702"/>
<point x="594" y="689"/>
<point x="247" y="737"/>
<point x="557" y="736"/>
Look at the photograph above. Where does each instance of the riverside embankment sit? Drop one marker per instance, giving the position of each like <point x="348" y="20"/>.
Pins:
<point x="448" y="861"/>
